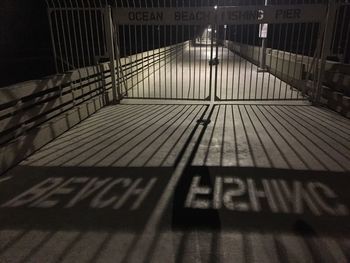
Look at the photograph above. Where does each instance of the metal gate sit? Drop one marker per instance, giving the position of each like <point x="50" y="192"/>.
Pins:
<point x="198" y="50"/>
<point x="223" y="53"/>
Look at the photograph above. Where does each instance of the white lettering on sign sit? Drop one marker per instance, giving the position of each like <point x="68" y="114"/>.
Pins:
<point x="221" y="15"/>
<point x="100" y="193"/>
<point x="278" y="196"/>
<point x="146" y="16"/>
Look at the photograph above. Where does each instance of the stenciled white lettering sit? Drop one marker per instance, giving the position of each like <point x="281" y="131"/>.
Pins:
<point x="275" y="196"/>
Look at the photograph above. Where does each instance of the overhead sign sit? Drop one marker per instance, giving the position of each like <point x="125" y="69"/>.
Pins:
<point x="220" y="16"/>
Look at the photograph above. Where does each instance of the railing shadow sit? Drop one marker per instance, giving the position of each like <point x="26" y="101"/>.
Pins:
<point x="257" y="176"/>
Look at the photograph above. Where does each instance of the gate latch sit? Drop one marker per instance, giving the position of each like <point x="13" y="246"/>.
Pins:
<point x="214" y="62"/>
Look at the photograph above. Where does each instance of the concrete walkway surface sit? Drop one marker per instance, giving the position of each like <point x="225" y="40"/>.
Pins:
<point x="184" y="183"/>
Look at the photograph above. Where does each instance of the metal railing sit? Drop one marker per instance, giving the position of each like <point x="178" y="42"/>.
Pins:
<point x="212" y="66"/>
<point x="340" y="49"/>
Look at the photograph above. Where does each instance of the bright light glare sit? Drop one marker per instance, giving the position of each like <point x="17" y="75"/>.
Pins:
<point x="209" y="29"/>
<point x="215" y="7"/>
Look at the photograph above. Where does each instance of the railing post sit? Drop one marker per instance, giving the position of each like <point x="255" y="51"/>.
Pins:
<point x="326" y="46"/>
<point x="49" y="12"/>
<point x="110" y="50"/>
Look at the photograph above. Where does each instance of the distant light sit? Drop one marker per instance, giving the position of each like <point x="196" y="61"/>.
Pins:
<point x="215" y="7"/>
<point x="209" y="29"/>
<point x="225" y="26"/>
<point x="215" y="30"/>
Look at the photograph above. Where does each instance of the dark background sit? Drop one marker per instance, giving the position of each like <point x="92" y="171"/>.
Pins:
<point x="25" y="45"/>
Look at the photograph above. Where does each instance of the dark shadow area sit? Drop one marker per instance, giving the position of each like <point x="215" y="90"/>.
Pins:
<point x="76" y="198"/>
<point x="262" y="199"/>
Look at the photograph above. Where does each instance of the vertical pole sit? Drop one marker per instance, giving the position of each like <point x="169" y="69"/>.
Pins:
<point x="263" y="55"/>
<point x="110" y="50"/>
<point x="263" y="47"/>
<point x="326" y="46"/>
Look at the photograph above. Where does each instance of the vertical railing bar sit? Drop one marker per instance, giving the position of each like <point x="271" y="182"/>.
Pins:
<point x="234" y="60"/>
<point x="303" y="52"/>
<point x="200" y="57"/>
<point x="176" y="57"/>
<point x="240" y="61"/>
<point x="212" y="96"/>
<point x="103" y="26"/>
<point x="216" y="56"/>
<point x="75" y="34"/>
<point x="257" y="74"/>
<point x="69" y="36"/>
<point x="182" y="75"/>
<point x="290" y="58"/>
<point x="64" y="37"/>
<point x="277" y="58"/>
<point x="206" y="60"/>
<point x="252" y="64"/>
<point x="92" y="34"/>
<point x="328" y="27"/>
<point x="189" y="57"/>
<point x="96" y="62"/>
<point x="142" y="56"/>
<point x="58" y="38"/>
<point x="165" y="56"/>
<point x="309" y="67"/>
<point x="125" y="52"/>
<point x="86" y="34"/>
<point x="110" y="43"/>
<point x="132" y="70"/>
<point x="159" y="59"/>
<point x="221" y="63"/>
<point x="136" y="54"/>
<point x="269" y="67"/>
<point x="283" y="56"/>
<point x="49" y="12"/>
<point x="97" y="30"/>
<point x="81" y="37"/>
<point x="195" y="57"/>
<point x="170" y="27"/>
<point x="245" y="64"/>
<point x="120" y="72"/>
<point x="296" y="61"/>
<point x="194" y="62"/>
<point x="154" y="57"/>
<point x="148" y="63"/>
<point x="226" y="33"/>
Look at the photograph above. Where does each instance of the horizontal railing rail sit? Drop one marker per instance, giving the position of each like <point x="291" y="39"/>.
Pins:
<point x="35" y="112"/>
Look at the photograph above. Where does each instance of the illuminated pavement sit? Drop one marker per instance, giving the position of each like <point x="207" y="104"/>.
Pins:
<point x="187" y="76"/>
<point x="184" y="183"/>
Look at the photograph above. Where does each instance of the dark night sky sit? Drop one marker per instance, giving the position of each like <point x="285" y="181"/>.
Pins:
<point x="25" y="45"/>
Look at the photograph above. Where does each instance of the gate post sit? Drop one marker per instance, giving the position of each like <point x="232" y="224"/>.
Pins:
<point x="110" y="50"/>
<point x="326" y="46"/>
